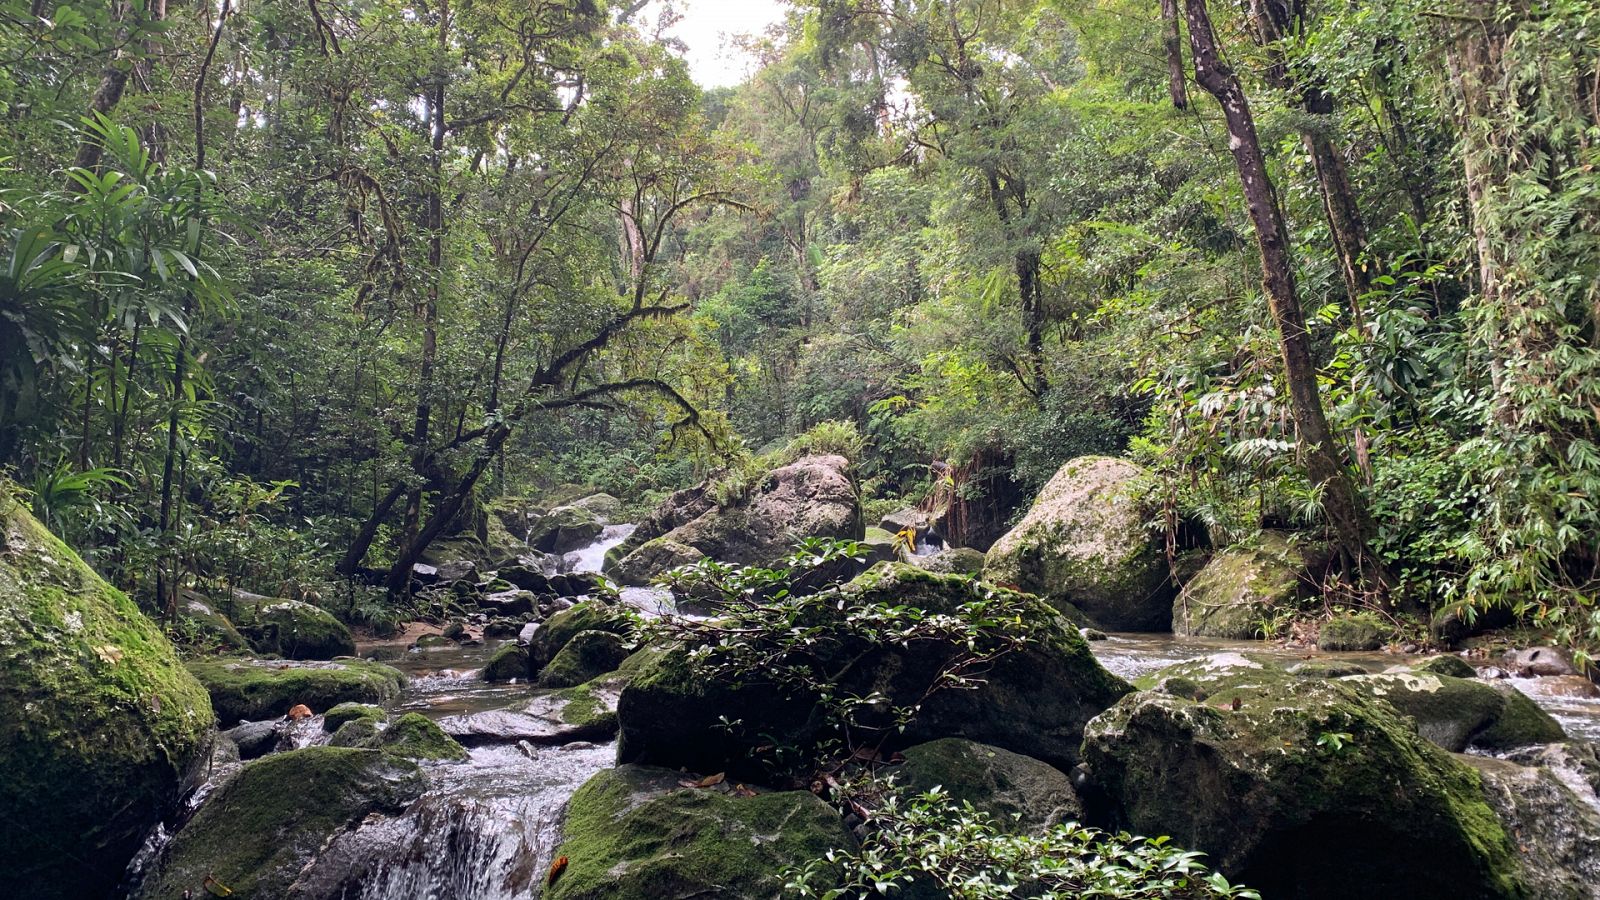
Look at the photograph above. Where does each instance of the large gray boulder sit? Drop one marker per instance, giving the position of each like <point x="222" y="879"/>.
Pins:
<point x="1085" y="544"/>
<point x="1227" y="597"/>
<point x="813" y="496"/>
<point x="1299" y="787"/>
<point x="100" y="724"/>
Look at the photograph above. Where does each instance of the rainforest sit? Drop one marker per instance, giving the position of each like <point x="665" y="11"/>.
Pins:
<point x="973" y="449"/>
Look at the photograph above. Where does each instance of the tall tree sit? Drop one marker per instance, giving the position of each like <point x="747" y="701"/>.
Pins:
<point x="1341" y="502"/>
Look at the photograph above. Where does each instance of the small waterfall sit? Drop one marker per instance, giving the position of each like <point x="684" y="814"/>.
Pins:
<point x="593" y="557"/>
<point x="487" y="829"/>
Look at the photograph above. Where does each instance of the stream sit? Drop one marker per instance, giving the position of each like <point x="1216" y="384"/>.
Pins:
<point x="487" y="827"/>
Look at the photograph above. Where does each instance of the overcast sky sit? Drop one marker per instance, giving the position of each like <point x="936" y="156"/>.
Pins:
<point x="704" y="27"/>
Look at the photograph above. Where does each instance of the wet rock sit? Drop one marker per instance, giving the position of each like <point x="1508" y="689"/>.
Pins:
<point x="509" y="604"/>
<point x="813" y="496"/>
<point x="679" y="509"/>
<point x="1456" y="713"/>
<point x="259" y="830"/>
<point x="566" y="528"/>
<point x="909" y="518"/>
<point x="509" y="661"/>
<point x="244" y="688"/>
<point x="501" y="628"/>
<point x="526" y="578"/>
<point x="634" y="833"/>
<point x="415" y="736"/>
<point x="100" y="724"/>
<point x="954" y="561"/>
<point x="1304" y="788"/>
<point x="458" y="570"/>
<point x="1557" y="833"/>
<point x="1019" y="792"/>
<point x="587" y="712"/>
<point x="1352" y="631"/>
<point x="1093" y="634"/>
<point x="1227" y="597"/>
<point x="1084" y="544"/>
<point x="880" y="545"/>
<point x="1539" y="662"/>
<point x="254" y="739"/>
<point x="1034" y="700"/>
<point x="1326" y="669"/>
<point x="295" y="629"/>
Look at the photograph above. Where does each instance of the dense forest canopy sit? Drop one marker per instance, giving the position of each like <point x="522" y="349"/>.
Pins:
<point x="294" y="288"/>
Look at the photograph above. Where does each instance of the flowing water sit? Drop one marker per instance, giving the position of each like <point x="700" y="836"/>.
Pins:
<point x="487" y="827"/>
<point x="592" y="557"/>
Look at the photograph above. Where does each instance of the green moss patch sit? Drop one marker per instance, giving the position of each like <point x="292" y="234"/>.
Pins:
<point x="634" y="833"/>
<point x="101" y="722"/>
<point x="245" y="688"/>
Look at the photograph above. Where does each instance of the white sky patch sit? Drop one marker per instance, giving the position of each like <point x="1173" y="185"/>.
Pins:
<point x="706" y="29"/>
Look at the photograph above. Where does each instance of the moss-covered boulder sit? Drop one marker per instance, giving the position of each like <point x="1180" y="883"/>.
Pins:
<point x="203" y="628"/>
<point x="588" y="655"/>
<point x="635" y="833"/>
<point x="588" y="615"/>
<point x="1557" y="831"/>
<point x="1084" y="543"/>
<point x="349" y="712"/>
<point x="1227" y="597"/>
<point x="1301" y="788"/>
<point x="509" y="661"/>
<point x="880" y="545"/>
<point x="415" y="736"/>
<point x="245" y="688"/>
<point x="1019" y="792"/>
<point x="1033" y="700"/>
<point x="1454" y="666"/>
<point x="566" y="528"/>
<point x="814" y="496"/>
<point x="294" y="629"/>
<point x="1456" y="713"/>
<point x="99" y="721"/>
<point x="260" y="829"/>
<point x="1353" y="631"/>
<point x="359" y="733"/>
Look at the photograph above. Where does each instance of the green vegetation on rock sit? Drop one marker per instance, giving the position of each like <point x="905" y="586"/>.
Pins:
<point x="635" y="833"/>
<point x="247" y="688"/>
<point x="262" y="827"/>
<point x="102" y="723"/>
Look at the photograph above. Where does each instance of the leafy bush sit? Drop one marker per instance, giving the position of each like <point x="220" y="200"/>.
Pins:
<point x="831" y="437"/>
<point x="933" y="842"/>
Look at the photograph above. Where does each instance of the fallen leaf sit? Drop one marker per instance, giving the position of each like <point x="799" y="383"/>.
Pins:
<point x="214" y="887"/>
<point x="109" y="654"/>
<point x="300" y="711"/>
<point x="708" y="781"/>
<point x="556" y="868"/>
<point x="740" y="790"/>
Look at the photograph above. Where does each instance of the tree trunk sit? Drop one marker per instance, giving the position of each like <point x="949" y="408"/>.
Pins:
<point x="1177" y="82"/>
<point x="357" y="551"/>
<point x="1342" y="504"/>
<point x="1271" y="24"/>
<point x="430" y="310"/>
